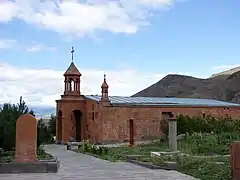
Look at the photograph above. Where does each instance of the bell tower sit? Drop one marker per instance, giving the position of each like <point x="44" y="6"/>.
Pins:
<point x="72" y="80"/>
<point x="71" y="108"/>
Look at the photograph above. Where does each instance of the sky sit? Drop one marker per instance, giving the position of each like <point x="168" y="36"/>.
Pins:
<point x="135" y="42"/>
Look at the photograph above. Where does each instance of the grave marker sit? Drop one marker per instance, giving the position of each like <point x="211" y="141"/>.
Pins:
<point x="26" y="139"/>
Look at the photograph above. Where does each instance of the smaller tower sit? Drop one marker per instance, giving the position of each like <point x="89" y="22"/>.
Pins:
<point x="105" y="87"/>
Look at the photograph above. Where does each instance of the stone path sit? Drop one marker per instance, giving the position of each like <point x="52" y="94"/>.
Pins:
<point x="76" y="166"/>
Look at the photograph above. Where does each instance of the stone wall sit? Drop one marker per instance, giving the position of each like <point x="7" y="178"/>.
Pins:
<point x="147" y="120"/>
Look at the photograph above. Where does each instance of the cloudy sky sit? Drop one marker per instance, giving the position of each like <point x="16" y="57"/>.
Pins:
<point x="135" y="42"/>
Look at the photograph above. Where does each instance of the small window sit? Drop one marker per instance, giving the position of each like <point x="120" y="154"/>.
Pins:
<point x="93" y="116"/>
<point x="92" y="107"/>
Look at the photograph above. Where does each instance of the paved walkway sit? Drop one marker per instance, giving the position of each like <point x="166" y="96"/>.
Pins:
<point x="76" y="166"/>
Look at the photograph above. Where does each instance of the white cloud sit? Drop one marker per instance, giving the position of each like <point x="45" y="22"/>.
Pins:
<point x="6" y="43"/>
<point x="35" y="47"/>
<point x="44" y="86"/>
<point x="83" y="17"/>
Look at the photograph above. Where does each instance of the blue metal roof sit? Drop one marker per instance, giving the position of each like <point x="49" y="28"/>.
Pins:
<point x="157" y="101"/>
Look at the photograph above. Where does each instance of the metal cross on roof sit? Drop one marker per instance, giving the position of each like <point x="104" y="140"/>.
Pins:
<point x="72" y="53"/>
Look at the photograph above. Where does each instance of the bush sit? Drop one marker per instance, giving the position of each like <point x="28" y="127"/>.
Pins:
<point x="93" y="149"/>
<point x="44" y="136"/>
<point x="208" y="144"/>
<point x="41" y="154"/>
<point x="186" y="124"/>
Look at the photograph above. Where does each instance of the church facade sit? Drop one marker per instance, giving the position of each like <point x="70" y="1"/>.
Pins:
<point x="109" y="119"/>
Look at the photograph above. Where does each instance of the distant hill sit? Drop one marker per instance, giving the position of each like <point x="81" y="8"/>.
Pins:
<point x="222" y="86"/>
<point x="228" y="72"/>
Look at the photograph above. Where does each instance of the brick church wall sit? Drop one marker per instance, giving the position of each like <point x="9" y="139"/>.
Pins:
<point x="68" y="124"/>
<point x="93" y="121"/>
<point x="147" y="120"/>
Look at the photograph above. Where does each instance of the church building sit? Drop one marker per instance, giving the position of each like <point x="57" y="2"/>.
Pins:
<point x="110" y="119"/>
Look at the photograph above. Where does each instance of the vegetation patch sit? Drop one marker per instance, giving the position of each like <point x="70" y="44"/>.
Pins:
<point x="42" y="155"/>
<point x="9" y="113"/>
<point x="204" y="146"/>
<point x="8" y="156"/>
<point x="205" y="168"/>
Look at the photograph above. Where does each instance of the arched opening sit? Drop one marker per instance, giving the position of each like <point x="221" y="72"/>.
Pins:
<point x="72" y="88"/>
<point x="78" y="125"/>
<point x="59" y="125"/>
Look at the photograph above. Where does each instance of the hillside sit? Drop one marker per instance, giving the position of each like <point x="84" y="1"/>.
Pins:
<point x="222" y="86"/>
<point x="228" y="72"/>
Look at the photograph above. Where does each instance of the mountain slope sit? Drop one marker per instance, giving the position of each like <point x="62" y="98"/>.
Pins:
<point x="224" y="87"/>
<point x="228" y="72"/>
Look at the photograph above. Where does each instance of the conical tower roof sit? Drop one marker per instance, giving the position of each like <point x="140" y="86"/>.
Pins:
<point x="104" y="84"/>
<point x="72" y="70"/>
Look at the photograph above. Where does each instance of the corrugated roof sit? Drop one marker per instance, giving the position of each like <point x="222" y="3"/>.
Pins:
<point x="156" y="101"/>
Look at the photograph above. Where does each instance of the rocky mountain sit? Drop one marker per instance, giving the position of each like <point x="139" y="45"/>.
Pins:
<point x="222" y="86"/>
<point x="228" y="72"/>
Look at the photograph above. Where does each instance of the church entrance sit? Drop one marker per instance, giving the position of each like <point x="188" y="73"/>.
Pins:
<point x="59" y="126"/>
<point x="78" y="125"/>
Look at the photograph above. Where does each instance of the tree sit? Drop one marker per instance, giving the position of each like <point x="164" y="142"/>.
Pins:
<point x="43" y="133"/>
<point x="52" y="125"/>
<point x="8" y="117"/>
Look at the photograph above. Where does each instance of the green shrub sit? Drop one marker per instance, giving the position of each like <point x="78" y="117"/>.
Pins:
<point x="186" y="124"/>
<point x="208" y="144"/>
<point x="41" y="154"/>
<point x="105" y="149"/>
<point x="86" y="147"/>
